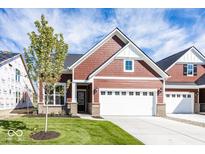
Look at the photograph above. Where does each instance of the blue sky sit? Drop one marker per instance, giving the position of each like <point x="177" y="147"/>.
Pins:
<point x="159" y="32"/>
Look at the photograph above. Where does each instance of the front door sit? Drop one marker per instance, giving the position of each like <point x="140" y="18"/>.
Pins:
<point x="81" y="97"/>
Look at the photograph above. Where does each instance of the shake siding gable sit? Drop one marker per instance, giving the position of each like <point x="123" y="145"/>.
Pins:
<point x="115" y="68"/>
<point x="96" y="59"/>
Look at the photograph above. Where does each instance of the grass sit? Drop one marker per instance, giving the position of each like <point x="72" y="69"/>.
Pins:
<point x="72" y="130"/>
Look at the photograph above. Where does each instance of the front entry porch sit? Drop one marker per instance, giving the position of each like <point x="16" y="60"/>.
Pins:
<point x="81" y="98"/>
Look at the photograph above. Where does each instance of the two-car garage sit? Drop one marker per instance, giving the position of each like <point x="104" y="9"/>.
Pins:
<point x="143" y="102"/>
<point x="127" y="102"/>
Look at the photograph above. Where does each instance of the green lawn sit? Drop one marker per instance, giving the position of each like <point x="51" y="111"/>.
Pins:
<point x="72" y="130"/>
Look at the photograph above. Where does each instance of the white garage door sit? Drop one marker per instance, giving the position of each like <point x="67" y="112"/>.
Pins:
<point x="179" y="102"/>
<point x="127" y="102"/>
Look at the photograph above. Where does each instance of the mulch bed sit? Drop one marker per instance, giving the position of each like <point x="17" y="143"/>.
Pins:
<point x="45" y="135"/>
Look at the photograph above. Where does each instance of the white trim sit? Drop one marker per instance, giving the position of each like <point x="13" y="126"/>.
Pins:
<point x="107" y="62"/>
<point x="181" y="86"/>
<point x="124" y="65"/>
<point x="125" y="39"/>
<point x="82" y="81"/>
<point x="58" y="83"/>
<point x="194" y="49"/>
<point x="164" y="90"/>
<point x="146" y="59"/>
<point x="127" y="78"/>
<point x="74" y="92"/>
<point x="98" y="45"/>
<point x="151" y="63"/>
<point x="128" y="89"/>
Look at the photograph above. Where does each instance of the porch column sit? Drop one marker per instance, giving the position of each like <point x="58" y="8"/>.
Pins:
<point x="73" y="104"/>
<point x="74" y="92"/>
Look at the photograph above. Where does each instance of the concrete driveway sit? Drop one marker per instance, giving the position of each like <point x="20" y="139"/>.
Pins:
<point x="160" y="131"/>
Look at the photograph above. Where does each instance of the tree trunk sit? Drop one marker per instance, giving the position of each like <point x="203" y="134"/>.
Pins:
<point x="46" y="123"/>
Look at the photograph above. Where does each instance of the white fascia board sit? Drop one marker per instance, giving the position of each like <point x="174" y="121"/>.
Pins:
<point x="193" y="49"/>
<point x="107" y="62"/>
<point x="127" y="78"/>
<point x="5" y="61"/>
<point x="153" y="65"/>
<point x="150" y="62"/>
<point x="97" y="46"/>
<point x="129" y="89"/>
<point x="82" y="81"/>
<point x="181" y="86"/>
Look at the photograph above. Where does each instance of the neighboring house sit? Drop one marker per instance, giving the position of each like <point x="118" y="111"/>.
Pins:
<point x="185" y="89"/>
<point x="115" y="77"/>
<point x="16" y="89"/>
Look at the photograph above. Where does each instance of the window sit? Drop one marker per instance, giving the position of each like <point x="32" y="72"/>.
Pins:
<point x="137" y="93"/>
<point x="17" y="97"/>
<point x="117" y="93"/>
<point x="144" y="93"/>
<point x="184" y="96"/>
<point x="178" y="95"/>
<point x="123" y="93"/>
<point x="190" y="69"/>
<point x="131" y="93"/>
<point x="188" y="96"/>
<point x="167" y="95"/>
<point x="151" y="93"/>
<point x="109" y="93"/>
<point x="18" y="74"/>
<point x="128" y="65"/>
<point x="55" y="95"/>
<point x="102" y="92"/>
<point x="173" y="95"/>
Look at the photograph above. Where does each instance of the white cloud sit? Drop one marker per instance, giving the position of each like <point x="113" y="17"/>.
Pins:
<point x="148" y="28"/>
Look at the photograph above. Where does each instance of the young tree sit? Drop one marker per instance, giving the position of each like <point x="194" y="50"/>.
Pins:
<point x="45" y="57"/>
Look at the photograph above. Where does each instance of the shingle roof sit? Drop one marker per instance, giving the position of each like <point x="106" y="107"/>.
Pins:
<point x="71" y="59"/>
<point x="6" y="55"/>
<point x="168" y="61"/>
<point x="201" y="80"/>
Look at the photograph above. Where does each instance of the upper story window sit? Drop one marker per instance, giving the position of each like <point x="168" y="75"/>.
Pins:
<point x="128" y="65"/>
<point x="18" y="74"/>
<point x="190" y="69"/>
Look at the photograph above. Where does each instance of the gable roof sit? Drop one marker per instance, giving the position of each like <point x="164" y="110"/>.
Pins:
<point x="116" y="32"/>
<point x="146" y="58"/>
<point x="168" y="62"/>
<point x="5" y="55"/>
<point x="165" y="63"/>
<point x="71" y="59"/>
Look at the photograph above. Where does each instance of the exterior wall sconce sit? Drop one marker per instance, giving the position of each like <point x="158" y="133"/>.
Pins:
<point x="95" y="91"/>
<point x="159" y="91"/>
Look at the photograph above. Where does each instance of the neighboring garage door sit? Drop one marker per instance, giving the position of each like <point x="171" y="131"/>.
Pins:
<point x="127" y="102"/>
<point x="179" y="102"/>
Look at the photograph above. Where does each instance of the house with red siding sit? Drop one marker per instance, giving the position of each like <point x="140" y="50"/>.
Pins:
<point x="115" y="77"/>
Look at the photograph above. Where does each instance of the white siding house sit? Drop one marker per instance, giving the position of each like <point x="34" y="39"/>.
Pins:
<point x="16" y="89"/>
